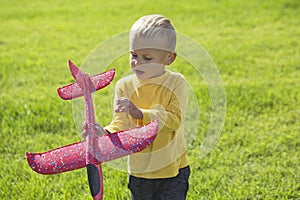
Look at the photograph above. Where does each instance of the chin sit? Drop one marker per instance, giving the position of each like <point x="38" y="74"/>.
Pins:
<point x="139" y="76"/>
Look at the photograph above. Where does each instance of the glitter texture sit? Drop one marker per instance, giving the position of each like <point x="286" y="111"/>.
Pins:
<point x="111" y="146"/>
<point x="94" y="150"/>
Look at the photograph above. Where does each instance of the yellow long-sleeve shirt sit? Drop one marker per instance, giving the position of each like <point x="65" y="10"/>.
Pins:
<point x="164" y="97"/>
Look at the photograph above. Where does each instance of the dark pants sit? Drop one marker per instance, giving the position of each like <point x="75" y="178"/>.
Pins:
<point x="160" y="189"/>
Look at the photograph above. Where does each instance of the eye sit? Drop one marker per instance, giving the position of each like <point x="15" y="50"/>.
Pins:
<point x="134" y="55"/>
<point x="147" y="58"/>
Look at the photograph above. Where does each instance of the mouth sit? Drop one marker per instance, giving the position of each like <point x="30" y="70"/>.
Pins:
<point x="139" y="72"/>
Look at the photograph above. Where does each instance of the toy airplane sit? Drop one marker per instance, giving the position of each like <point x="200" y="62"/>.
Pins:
<point x="94" y="150"/>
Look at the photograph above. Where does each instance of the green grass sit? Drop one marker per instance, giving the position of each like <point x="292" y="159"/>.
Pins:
<point x="255" y="45"/>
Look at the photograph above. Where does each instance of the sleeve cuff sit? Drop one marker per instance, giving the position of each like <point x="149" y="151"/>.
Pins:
<point x="148" y="115"/>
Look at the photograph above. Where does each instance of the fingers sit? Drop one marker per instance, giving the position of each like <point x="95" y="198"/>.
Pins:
<point x="98" y="128"/>
<point x="122" y="109"/>
<point x="84" y="127"/>
<point x="124" y="105"/>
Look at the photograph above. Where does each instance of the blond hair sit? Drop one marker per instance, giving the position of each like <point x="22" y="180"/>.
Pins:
<point x="153" y="31"/>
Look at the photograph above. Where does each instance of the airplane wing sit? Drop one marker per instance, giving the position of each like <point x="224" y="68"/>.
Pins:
<point x="99" y="81"/>
<point x="111" y="146"/>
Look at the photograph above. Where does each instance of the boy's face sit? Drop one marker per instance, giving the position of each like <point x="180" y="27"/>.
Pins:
<point x="149" y="63"/>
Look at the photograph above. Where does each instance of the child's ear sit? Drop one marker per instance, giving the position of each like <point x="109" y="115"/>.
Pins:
<point x="170" y="59"/>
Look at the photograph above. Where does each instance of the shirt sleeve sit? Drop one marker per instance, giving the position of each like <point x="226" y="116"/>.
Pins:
<point x="120" y="121"/>
<point x="171" y="115"/>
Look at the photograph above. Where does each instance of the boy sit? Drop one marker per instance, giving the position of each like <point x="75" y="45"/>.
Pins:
<point x="161" y="171"/>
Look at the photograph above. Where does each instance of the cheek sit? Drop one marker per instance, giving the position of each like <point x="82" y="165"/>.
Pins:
<point x="155" y="66"/>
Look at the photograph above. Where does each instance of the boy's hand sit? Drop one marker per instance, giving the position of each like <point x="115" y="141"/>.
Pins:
<point x="99" y="130"/>
<point x="125" y="105"/>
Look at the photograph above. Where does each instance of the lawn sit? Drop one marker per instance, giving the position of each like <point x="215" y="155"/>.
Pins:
<point x="254" y="44"/>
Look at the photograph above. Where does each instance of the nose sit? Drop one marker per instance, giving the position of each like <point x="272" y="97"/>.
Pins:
<point x="135" y="62"/>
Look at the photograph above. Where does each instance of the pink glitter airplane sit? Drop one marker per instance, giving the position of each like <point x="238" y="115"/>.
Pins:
<point x="91" y="152"/>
